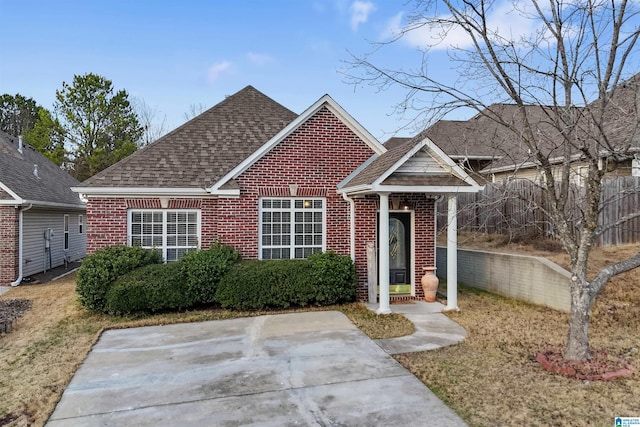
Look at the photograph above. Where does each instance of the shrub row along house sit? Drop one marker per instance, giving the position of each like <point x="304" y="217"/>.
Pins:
<point x="42" y="222"/>
<point x="277" y="185"/>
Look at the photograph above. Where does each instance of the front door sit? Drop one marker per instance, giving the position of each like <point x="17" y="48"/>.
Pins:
<point x="400" y="250"/>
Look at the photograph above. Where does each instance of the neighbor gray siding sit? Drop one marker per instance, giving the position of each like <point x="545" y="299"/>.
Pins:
<point x="36" y="222"/>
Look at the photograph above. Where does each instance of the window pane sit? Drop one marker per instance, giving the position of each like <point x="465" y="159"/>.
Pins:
<point x="266" y="216"/>
<point x="136" y="241"/>
<point x="317" y="204"/>
<point x="298" y="204"/>
<point x="266" y="240"/>
<point x="317" y="216"/>
<point x="317" y="240"/>
<point x="299" y="253"/>
<point x="136" y="217"/>
<point x="157" y="241"/>
<point x="171" y="240"/>
<point x="266" y="254"/>
<point x="136" y="228"/>
<point x="286" y="239"/>
<point x="192" y="241"/>
<point x="286" y="216"/>
<point x="276" y="217"/>
<point x="276" y="204"/>
<point x="277" y="240"/>
<point x="286" y="253"/>
<point x="157" y="216"/>
<point x="147" y="217"/>
<point x="192" y="217"/>
<point x="266" y="203"/>
<point x="192" y="229"/>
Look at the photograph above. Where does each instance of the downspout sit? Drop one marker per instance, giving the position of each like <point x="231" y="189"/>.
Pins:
<point x="20" y="244"/>
<point x="352" y="221"/>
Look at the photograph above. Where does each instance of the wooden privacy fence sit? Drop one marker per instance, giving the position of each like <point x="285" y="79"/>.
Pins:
<point x="517" y="208"/>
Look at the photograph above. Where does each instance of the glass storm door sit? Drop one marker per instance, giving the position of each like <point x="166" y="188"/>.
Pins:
<point x="399" y="248"/>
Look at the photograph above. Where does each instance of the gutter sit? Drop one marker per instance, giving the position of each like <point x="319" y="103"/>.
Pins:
<point x="352" y="223"/>
<point x="20" y="245"/>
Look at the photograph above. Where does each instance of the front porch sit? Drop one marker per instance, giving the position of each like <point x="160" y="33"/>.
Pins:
<point x="398" y="189"/>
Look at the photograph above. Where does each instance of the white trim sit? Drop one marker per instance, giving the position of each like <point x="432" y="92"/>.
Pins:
<point x="66" y="226"/>
<point x="466" y="157"/>
<point x="11" y="193"/>
<point x="529" y="164"/>
<point x="327" y="101"/>
<point x="141" y="191"/>
<point x="164" y="226"/>
<point x="438" y="155"/>
<point x="38" y="204"/>
<point x="292" y="209"/>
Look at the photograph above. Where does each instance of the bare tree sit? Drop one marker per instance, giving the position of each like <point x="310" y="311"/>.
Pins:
<point x="572" y="64"/>
<point x="194" y="110"/>
<point x="154" y="127"/>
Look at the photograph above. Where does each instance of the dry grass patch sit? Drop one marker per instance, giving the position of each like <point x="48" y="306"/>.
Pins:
<point x="41" y="354"/>
<point x="491" y="378"/>
<point x="378" y="326"/>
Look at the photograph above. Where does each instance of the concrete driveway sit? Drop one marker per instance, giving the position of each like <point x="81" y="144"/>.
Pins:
<point x="313" y="369"/>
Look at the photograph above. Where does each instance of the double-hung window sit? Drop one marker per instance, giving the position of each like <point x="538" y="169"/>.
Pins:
<point x="174" y="232"/>
<point x="291" y="228"/>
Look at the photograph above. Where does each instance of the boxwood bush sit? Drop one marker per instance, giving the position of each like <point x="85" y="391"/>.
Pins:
<point x="203" y="270"/>
<point x="323" y="279"/>
<point x="149" y="289"/>
<point x="101" y="269"/>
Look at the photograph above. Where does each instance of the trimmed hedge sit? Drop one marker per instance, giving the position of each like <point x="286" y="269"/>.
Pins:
<point x="149" y="289"/>
<point x="323" y="279"/>
<point x="101" y="269"/>
<point x="203" y="270"/>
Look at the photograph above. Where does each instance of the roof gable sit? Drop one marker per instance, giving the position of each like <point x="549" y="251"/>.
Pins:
<point x="222" y="187"/>
<point x="419" y="166"/>
<point x="197" y="154"/>
<point x="29" y="177"/>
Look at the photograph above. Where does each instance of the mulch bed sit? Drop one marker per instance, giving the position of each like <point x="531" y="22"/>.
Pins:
<point x="10" y="310"/>
<point x="601" y="367"/>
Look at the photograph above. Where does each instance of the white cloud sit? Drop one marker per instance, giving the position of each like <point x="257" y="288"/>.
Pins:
<point x="217" y="70"/>
<point x="503" y="19"/>
<point x="259" y="58"/>
<point x="360" y="11"/>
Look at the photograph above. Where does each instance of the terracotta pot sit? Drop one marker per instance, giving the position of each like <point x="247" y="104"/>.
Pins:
<point x="429" y="284"/>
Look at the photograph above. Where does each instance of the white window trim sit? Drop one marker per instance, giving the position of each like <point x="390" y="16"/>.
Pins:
<point x="164" y="226"/>
<point x="292" y="209"/>
<point x="65" y="228"/>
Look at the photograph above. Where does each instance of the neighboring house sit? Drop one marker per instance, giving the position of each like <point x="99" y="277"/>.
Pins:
<point x="491" y="152"/>
<point x="274" y="184"/>
<point x="42" y="222"/>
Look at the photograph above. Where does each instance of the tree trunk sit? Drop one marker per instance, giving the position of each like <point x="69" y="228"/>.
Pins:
<point x="579" y="318"/>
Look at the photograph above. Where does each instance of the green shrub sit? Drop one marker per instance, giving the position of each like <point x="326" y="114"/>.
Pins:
<point x="334" y="278"/>
<point x="253" y="285"/>
<point x="149" y="289"/>
<point x="99" y="270"/>
<point x="323" y="279"/>
<point x="203" y="270"/>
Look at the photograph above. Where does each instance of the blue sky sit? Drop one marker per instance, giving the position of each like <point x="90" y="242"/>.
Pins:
<point x="174" y="54"/>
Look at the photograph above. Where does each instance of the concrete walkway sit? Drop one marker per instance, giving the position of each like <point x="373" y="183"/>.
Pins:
<point x="312" y="369"/>
<point x="433" y="329"/>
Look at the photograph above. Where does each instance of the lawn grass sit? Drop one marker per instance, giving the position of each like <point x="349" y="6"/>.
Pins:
<point x="491" y="378"/>
<point x="41" y="354"/>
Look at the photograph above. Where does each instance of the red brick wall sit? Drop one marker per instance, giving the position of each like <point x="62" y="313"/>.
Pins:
<point x="316" y="157"/>
<point x="106" y="223"/>
<point x="9" y="217"/>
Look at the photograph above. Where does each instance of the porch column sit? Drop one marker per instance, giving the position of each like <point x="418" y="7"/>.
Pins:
<point x="452" y="253"/>
<point x="383" y="256"/>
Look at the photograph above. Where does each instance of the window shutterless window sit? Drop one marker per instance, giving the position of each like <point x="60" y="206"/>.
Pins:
<point x="174" y="232"/>
<point x="80" y="224"/>
<point x="291" y="227"/>
<point x="66" y="232"/>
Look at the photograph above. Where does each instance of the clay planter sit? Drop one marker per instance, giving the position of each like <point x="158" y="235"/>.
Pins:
<point x="429" y="284"/>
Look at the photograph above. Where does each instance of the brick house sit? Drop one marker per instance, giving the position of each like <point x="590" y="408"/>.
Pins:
<point x="274" y="184"/>
<point x="42" y="221"/>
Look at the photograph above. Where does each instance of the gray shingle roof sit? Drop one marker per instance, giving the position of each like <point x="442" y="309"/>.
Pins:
<point x="52" y="185"/>
<point x="203" y="150"/>
<point x="379" y="165"/>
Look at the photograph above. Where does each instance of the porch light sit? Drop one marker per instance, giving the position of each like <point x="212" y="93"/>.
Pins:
<point x="405" y="205"/>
